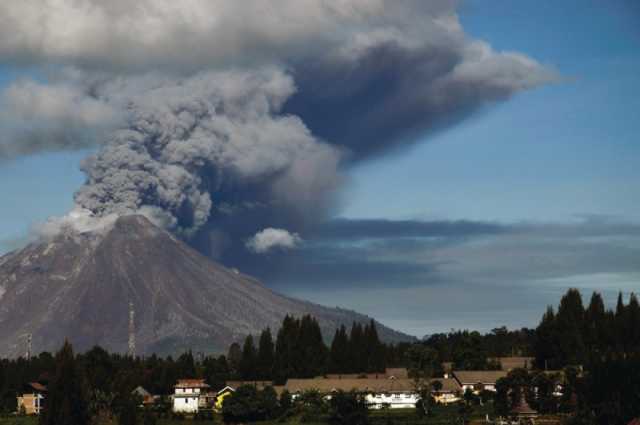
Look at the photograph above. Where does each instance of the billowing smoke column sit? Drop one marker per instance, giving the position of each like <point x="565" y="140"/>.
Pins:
<point x="189" y="143"/>
<point x="218" y="120"/>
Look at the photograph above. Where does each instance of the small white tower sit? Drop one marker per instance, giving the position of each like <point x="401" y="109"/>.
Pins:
<point x="28" y="353"/>
<point x="132" y="331"/>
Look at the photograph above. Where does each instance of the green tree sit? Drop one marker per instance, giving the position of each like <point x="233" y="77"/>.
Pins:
<point x="286" y="402"/>
<point x="348" y="409"/>
<point x="233" y="358"/>
<point x="187" y="365"/>
<point x="127" y="410"/>
<point x="248" y="360"/>
<point x="374" y="349"/>
<point x="66" y="402"/>
<point x="620" y="325"/>
<point x="422" y="361"/>
<point x="357" y="353"/>
<point x="268" y="403"/>
<point x="595" y="325"/>
<point x="286" y="350"/>
<point x="339" y="354"/>
<point x="266" y="355"/>
<point x="633" y="324"/>
<point x="468" y="351"/>
<point x="570" y="325"/>
<point x="545" y="341"/>
<point x="242" y="406"/>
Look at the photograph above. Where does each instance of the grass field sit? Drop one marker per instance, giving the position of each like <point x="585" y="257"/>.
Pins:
<point x="19" y="420"/>
<point x="443" y="415"/>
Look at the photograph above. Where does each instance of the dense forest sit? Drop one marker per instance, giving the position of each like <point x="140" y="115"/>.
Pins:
<point x="600" y="345"/>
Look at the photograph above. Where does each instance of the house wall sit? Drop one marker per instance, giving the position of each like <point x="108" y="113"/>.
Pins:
<point x="32" y="403"/>
<point x="185" y="404"/>
<point x="446" y="398"/>
<point x="488" y="387"/>
<point x="393" y="400"/>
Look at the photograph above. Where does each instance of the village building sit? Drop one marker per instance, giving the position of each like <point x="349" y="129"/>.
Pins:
<point x="394" y="393"/>
<point x="389" y="373"/>
<point x="478" y="380"/>
<point x="145" y="396"/>
<point x="449" y="392"/>
<point x="391" y="392"/>
<point x="221" y="395"/>
<point x="191" y="395"/>
<point x="258" y="385"/>
<point x="32" y="400"/>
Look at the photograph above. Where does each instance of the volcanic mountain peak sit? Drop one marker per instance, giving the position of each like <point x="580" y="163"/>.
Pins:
<point x="80" y="285"/>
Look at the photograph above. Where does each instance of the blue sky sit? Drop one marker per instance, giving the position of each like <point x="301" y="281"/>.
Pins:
<point x="550" y="154"/>
<point x="557" y="154"/>
<point x="567" y="153"/>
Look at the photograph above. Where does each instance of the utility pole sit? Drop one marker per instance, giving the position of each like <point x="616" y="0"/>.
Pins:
<point x="132" y="331"/>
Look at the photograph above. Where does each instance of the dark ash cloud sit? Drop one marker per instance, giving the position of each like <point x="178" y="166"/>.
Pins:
<point x="381" y="228"/>
<point x="387" y="254"/>
<point x="219" y="120"/>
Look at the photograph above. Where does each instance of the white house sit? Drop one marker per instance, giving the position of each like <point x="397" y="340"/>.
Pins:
<point x="477" y="380"/>
<point x="378" y="393"/>
<point x="189" y="395"/>
<point x="393" y="399"/>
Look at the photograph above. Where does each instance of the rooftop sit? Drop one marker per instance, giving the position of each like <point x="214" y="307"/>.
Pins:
<point x="324" y="385"/>
<point x="191" y="383"/>
<point x="479" y="376"/>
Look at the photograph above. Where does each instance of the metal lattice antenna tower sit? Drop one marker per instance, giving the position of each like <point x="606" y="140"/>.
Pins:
<point x="132" y="331"/>
<point x="28" y="353"/>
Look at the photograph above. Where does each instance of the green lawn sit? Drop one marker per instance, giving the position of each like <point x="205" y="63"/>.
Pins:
<point x="443" y="415"/>
<point x="19" y="420"/>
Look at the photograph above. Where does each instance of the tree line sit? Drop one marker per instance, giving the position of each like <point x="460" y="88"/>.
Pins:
<point x="299" y="351"/>
<point x="575" y="335"/>
<point x="601" y="340"/>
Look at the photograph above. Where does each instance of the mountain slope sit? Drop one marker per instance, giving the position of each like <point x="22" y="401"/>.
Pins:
<point x="79" y="286"/>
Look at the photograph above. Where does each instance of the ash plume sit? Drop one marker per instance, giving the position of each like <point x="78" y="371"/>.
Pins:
<point x="219" y="119"/>
<point x="190" y="142"/>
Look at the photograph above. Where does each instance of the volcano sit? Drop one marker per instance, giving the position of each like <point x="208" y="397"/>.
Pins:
<point x="85" y="287"/>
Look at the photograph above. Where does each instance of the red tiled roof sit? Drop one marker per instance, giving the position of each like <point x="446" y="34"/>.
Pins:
<point x="191" y="383"/>
<point x="38" y="387"/>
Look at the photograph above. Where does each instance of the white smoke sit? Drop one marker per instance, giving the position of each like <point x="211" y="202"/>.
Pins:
<point x="270" y="238"/>
<point x="78" y="220"/>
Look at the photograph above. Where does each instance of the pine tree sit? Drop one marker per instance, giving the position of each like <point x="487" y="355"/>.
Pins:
<point x="339" y="355"/>
<point x="357" y="362"/>
<point x="545" y="341"/>
<point x="595" y="324"/>
<point x="248" y="360"/>
<point x="285" y="364"/>
<point x="266" y="355"/>
<point x="570" y="325"/>
<point x="66" y="401"/>
<point x="374" y="349"/>
<point x="620" y="325"/>
<point x="633" y="323"/>
<point x="311" y="349"/>
<point x="233" y="358"/>
<point x="187" y="365"/>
